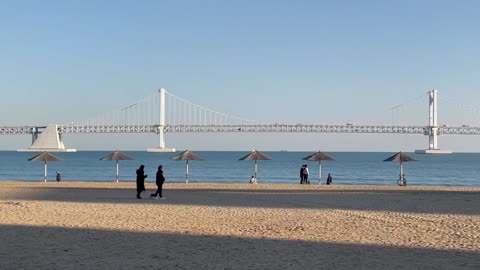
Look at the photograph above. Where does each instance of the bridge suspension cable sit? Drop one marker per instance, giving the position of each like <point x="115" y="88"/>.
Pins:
<point x="142" y="112"/>
<point x="466" y="108"/>
<point x="396" y="110"/>
<point x="178" y="111"/>
<point x="183" y="112"/>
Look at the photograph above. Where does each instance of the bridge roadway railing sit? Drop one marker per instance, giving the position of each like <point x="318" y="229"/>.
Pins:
<point x="108" y="129"/>
<point x="297" y="128"/>
<point x="18" y="130"/>
<point x="463" y="130"/>
<point x="66" y="129"/>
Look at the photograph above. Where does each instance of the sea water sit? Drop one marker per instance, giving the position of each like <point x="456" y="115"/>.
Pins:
<point x="350" y="168"/>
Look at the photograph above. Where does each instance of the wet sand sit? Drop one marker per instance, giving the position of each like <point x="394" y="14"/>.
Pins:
<point x="82" y="225"/>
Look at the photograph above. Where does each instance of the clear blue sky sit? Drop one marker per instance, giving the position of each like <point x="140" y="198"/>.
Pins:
<point x="281" y="61"/>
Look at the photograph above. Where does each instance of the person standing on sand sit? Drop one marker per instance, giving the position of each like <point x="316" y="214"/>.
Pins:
<point x="140" y="181"/>
<point x="305" y="174"/>
<point x="301" y="174"/>
<point x="59" y="176"/>
<point x="329" y="179"/>
<point x="159" y="180"/>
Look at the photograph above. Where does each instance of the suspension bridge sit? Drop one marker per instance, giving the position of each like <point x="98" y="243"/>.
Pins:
<point x="163" y="112"/>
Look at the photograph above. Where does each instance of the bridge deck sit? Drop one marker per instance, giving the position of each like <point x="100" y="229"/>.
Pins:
<point x="267" y="128"/>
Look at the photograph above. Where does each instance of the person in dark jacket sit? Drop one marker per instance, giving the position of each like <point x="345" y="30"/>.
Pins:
<point x="140" y="181"/>
<point x="305" y="174"/>
<point x="159" y="180"/>
<point x="329" y="179"/>
<point x="301" y="174"/>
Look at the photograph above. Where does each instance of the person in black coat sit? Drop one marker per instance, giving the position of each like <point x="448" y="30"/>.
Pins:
<point x="329" y="179"/>
<point x="159" y="180"/>
<point x="301" y="174"/>
<point x="140" y="181"/>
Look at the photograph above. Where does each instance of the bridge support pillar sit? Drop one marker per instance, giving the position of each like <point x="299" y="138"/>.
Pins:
<point x="161" y="126"/>
<point x="433" y="127"/>
<point x="433" y="138"/>
<point x="35" y="133"/>
<point x="47" y="140"/>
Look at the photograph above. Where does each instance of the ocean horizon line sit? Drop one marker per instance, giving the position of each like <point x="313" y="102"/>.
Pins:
<point x="279" y="151"/>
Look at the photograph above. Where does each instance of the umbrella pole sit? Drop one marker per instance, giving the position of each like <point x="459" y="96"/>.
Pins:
<point x="117" y="171"/>
<point x="255" y="172"/>
<point x="319" y="172"/>
<point x="186" y="175"/>
<point x="45" y="171"/>
<point x="401" y="172"/>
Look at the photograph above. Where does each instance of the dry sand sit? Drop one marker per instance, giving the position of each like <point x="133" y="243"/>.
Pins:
<point x="85" y="225"/>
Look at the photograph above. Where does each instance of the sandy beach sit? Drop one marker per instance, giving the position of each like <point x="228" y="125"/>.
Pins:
<point x="84" y="225"/>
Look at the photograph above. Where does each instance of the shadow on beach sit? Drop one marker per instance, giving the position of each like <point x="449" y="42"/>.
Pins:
<point x="27" y="247"/>
<point x="405" y="201"/>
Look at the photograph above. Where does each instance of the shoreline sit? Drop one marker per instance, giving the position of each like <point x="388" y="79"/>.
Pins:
<point x="225" y="185"/>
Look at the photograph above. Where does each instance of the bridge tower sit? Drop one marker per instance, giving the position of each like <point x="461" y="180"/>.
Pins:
<point x="161" y="126"/>
<point x="433" y="127"/>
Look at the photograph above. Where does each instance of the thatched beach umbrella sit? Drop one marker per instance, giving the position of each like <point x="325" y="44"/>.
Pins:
<point x="255" y="155"/>
<point x="400" y="157"/>
<point x="117" y="155"/>
<point x="45" y="156"/>
<point x="186" y="155"/>
<point x="319" y="156"/>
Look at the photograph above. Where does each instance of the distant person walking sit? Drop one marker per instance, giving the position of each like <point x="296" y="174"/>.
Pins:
<point x="59" y="176"/>
<point x="305" y="174"/>
<point x="329" y="179"/>
<point x="159" y="180"/>
<point x="301" y="174"/>
<point x="141" y="181"/>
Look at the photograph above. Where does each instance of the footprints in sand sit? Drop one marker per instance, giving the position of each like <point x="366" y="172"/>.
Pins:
<point x="13" y="203"/>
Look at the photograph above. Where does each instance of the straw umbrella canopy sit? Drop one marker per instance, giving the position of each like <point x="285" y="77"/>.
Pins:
<point x="319" y="156"/>
<point x="45" y="156"/>
<point x="255" y="155"/>
<point x="117" y="155"/>
<point x="186" y="155"/>
<point x="400" y="157"/>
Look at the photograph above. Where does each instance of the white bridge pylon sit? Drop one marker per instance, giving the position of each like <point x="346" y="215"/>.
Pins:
<point x="433" y="126"/>
<point x="163" y="112"/>
<point x="161" y="126"/>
